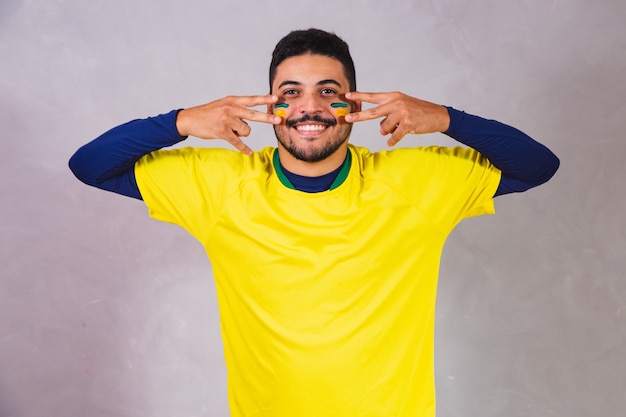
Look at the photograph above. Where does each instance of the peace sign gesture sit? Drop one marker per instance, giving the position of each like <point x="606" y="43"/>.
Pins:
<point x="226" y="119"/>
<point x="401" y="114"/>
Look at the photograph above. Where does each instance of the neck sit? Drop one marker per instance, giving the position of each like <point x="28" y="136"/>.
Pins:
<point x="312" y="169"/>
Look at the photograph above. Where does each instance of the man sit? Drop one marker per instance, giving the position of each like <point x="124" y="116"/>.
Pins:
<point x="325" y="255"/>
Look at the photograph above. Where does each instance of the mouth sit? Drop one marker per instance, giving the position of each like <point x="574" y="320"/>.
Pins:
<point x="311" y="125"/>
<point x="311" y="129"/>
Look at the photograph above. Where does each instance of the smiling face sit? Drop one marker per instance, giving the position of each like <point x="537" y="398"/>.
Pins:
<point x="312" y="132"/>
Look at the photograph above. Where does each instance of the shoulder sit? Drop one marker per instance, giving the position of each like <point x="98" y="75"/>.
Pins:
<point x="412" y="159"/>
<point x="209" y="157"/>
<point x="424" y="168"/>
<point x="221" y="167"/>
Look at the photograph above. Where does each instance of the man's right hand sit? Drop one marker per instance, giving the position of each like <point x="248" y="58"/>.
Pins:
<point x="226" y="119"/>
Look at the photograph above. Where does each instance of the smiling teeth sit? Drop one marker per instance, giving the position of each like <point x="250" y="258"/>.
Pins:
<point x="311" y="127"/>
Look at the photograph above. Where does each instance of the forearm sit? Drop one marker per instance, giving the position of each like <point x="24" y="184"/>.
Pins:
<point x="524" y="162"/>
<point x="108" y="161"/>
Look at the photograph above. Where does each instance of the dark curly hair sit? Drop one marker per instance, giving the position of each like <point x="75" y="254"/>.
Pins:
<point x="316" y="42"/>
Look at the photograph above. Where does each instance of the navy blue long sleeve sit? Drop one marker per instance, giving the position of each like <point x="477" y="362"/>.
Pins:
<point x="524" y="162"/>
<point x="108" y="161"/>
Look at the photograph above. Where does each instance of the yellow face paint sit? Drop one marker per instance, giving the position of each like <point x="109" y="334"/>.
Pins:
<point x="279" y="110"/>
<point x="341" y="109"/>
<point x="341" y="112"/>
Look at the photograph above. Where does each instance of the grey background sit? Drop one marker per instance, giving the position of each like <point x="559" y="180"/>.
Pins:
<point x="104" y="312"/>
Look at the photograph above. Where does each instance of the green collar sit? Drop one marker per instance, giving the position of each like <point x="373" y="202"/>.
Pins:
<point x="341" y="176"/>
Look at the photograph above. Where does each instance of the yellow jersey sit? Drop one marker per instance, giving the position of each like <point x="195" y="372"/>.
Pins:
<point x="327" y="299"/>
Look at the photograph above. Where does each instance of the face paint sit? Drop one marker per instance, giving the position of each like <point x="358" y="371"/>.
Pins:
<point x="341" y="109"/>
<point x="279" y="109"/>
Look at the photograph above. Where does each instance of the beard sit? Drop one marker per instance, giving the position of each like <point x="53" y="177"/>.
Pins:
<point x="312" y="154"/>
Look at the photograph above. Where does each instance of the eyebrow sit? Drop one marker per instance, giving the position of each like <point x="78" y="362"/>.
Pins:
<point x="322" y="82"/>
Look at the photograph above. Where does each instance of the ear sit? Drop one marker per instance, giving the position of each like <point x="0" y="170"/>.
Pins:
<point x="356" y="105"/>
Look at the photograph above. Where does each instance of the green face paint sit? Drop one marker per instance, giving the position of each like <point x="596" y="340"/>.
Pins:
<point x="279" y="109"/>
<point x="341" y="109"/>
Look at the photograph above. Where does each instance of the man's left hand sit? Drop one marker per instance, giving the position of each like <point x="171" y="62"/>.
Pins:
<point x="401" y="114"/>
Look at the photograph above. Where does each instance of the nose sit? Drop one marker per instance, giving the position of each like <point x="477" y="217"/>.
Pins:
<point x="310" y="103"/>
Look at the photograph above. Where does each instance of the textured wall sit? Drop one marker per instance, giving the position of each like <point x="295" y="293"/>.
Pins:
<point x="104" y="312"/>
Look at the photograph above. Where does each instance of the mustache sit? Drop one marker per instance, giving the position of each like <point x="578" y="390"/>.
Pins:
<point x="311" y="118"/>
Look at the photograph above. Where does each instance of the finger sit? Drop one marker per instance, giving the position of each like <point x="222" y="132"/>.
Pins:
<point x="258" y="116"/>
<point x="240" y="104"/>
<point x="369" y="114"/>
<point x="252" y="101"/>
<point x="376" y="98"/>
<point x="385" y="132"/>
<point x="243" y="129"/>
<point x="388" y="125"/>
<point x="396" y="136"/>
<point x="234" y="140"/>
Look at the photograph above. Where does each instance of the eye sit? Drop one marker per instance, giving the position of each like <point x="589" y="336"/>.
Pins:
<point x="328" y="92"/>
<point x="290" y="92"/>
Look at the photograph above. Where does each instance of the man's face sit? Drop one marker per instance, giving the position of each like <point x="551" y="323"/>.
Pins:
<point x="310" y="84"/>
